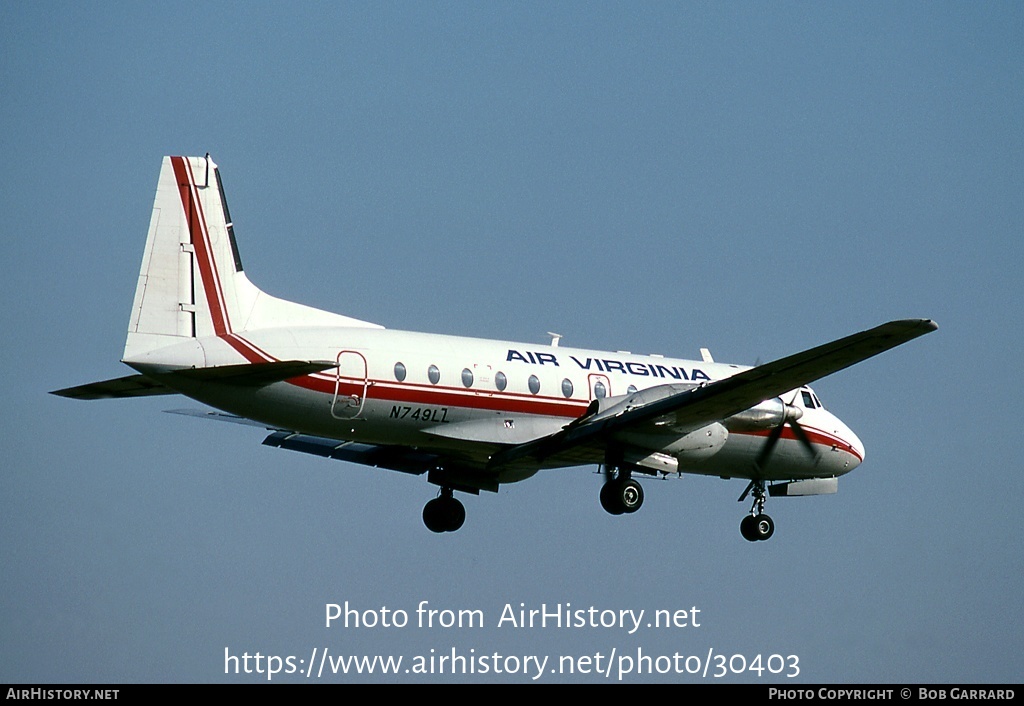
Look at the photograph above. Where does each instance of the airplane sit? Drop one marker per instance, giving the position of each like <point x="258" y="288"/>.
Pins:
<point x="471" y="414"/>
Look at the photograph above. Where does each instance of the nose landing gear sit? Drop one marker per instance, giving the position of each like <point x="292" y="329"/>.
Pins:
<point x="757" y="526"/>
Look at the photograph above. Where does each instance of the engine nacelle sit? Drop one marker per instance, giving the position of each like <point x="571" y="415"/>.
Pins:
<point x="604" y="407"/>
<point x="700" y="444"/>
<point x="673" y="450"/>
<point x="765" y="415"/>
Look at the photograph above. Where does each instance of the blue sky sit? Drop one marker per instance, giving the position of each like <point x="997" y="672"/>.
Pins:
<point x="658" y="177"/>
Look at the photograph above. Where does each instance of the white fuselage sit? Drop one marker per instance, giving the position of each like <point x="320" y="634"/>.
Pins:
<point x="445" y="392"/>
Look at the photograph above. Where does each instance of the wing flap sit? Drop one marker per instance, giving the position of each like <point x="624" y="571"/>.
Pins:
<point x="441" y="469"/>
<point x="393" y="458"/>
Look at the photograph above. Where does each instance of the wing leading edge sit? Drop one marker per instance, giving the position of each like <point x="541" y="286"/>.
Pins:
<point x="694" y="408"/>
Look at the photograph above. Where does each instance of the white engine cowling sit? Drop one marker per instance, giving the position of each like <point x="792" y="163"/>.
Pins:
<point x="765" y="415"/>
<point x="699" y="444"/>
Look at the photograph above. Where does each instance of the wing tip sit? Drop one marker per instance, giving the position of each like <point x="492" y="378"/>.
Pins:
<point x="914" y="327"/>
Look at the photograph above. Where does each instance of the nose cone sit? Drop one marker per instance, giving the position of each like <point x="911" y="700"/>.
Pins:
<point x="853" y="446"/>
<point x="856" y="443"/>
<point x="848" y="448"/>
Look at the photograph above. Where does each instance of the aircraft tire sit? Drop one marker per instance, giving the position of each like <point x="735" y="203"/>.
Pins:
<point x="434" y="516"/>
<point x="455" y="514"/>
<point x="748" y="528"/>
<point x="611" y="501"/>
<point x="444" y="515"/>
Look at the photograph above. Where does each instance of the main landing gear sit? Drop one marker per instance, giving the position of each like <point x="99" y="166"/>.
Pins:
<point x="444" y="513"/>
<point x="757" y="525"/>
<point x="621" y="494"/>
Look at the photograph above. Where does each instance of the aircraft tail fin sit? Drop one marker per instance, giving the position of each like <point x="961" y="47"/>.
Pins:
<point x="191" y="283"/>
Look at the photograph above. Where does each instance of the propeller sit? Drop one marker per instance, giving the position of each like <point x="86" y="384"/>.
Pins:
<point x="792" y="414"/>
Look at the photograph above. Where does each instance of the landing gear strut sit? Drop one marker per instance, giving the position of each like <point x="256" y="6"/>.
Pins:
<point x="756" y="526"/>
<point x="621" y="494"/>
<point x="444" y="513"/>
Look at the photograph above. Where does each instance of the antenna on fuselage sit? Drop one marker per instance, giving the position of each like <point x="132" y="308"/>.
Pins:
<point x="705" y="355"/>
<point x="555" y="338"/>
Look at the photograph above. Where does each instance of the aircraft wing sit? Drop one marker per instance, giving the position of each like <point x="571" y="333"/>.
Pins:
<point x="467" y="473"/>
<point x="699" y="406"/>
<point x="395" y="458"/>
<point x="452" y="470"/>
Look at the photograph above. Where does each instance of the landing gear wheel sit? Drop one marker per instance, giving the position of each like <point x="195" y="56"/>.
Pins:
<point x="434" y="515"/>
<point x="456" y="514"/>
<point x="609" y="499"/>
<point x="444" y="513"/>
<point x="631" y="495"/>
<point x="622" y="496"/>
<point x="756" y="528"/>
<point x="747" y="528"/>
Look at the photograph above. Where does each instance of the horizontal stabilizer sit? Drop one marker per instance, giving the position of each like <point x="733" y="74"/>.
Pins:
<point x="128" y="386"/>
<point x="247" y="374"/>
<point x="257" y="374"/>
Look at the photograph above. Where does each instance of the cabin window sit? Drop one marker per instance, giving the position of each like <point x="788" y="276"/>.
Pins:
<point x="567" y="387"/>
<point x="600" y="390"/>
<point x="500" y="381"/>
<point x="467" y="377"/>
<point x="534" y="383"/>
<point x="433" y="374"/>
<point x="400" y="372"/>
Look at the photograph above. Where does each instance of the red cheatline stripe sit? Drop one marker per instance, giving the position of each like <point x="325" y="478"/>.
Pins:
<point x="447" y="397"/>
<point x="247" y="349"/>
<point x="816" y="436"/>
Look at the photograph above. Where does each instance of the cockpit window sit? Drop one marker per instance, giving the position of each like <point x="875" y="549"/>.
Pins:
<point x="810" y="399"/>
